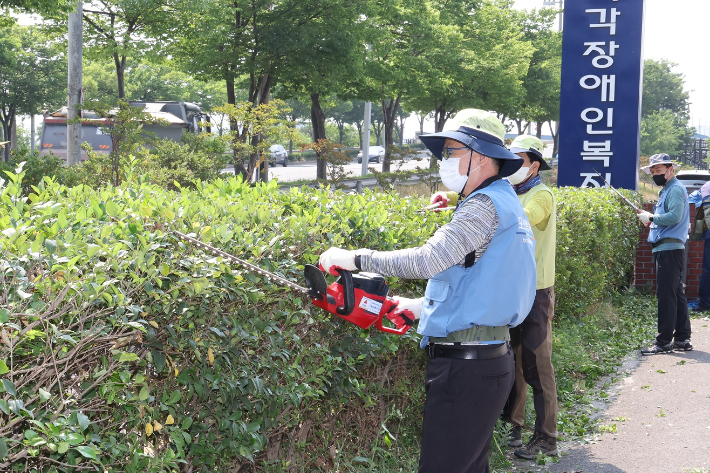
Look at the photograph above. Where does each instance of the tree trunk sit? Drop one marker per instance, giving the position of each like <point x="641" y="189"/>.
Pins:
<point x="555" y="137"/>
<point x="318" y="122"/>
<point x="7" y="120"/>
<point x="389" y="111"/>
<point x="538" y="126"/>
<point x="341" y="130"/>
<point x="13" y="133"/>
<point x="120" y="74"/>
<point x="519" y="124"/>
<point x="239" y="169"/>
<point x="359" y="133"/>
<point x="259" y="93"/>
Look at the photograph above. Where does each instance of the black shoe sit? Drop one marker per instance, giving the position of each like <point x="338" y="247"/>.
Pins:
<point x="685" y="345"/>
<point x="540" y="443"/>
<point x="656" y="349"/>
<point x="515" y="437"/>
<point x="699" y="309"/>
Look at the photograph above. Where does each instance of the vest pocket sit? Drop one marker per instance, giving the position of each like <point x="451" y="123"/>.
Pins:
<point x="436" y="291"/>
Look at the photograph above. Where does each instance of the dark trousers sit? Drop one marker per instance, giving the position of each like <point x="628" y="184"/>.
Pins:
<point x="673" y="321"/>
<point x="532" y="345"/>
<point x="464" y="399"/>
<point x="704" y="286"/>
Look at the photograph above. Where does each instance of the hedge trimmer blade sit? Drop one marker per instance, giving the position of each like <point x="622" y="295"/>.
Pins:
<point x="256" y="269"/>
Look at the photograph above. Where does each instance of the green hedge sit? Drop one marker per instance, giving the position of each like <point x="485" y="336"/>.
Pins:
<point x="123" y="349"/>
<point x="597" y="236"/>
<point x="116" y="329"/>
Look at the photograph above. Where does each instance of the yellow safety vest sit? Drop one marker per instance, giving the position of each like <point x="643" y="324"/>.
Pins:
<point x="545" y="239"/>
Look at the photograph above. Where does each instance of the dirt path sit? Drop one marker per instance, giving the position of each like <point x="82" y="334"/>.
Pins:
<point x="661" y="414"/>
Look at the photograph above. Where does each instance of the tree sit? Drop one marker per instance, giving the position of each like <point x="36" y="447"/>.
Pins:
<point x="340" y="114"/>
<point x="541" y="85"/>
<point x="52" y="7"/>
<point x="478" y="60"/>
<point x="660" y="134"/>
<point x="258" y="42"/>
<point x="325" y="58"/>
<point x="664" y="91"/>
<point x="399" y="33"/>
<point x="152" y="82"/>
<point x="120" y="29"/>
<point x="33" y="76"/>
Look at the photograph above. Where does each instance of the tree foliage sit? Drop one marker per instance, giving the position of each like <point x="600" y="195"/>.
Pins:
<point x="664" y="109"/>
<point x="32" y="75"/>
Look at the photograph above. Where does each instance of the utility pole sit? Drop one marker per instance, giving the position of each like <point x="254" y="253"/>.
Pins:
<point x="553" y="4"/>
<point x="74" y="85"/>
<point x="366" y="137"/>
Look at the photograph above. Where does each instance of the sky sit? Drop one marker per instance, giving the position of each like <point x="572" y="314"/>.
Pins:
<point x="676" y="31"/>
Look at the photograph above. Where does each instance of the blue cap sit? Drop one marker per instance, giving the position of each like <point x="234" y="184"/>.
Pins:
<point x="479" y="141"/>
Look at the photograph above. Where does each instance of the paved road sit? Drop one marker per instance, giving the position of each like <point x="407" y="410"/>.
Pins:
<point x="661" y="410"/>
<point x="301" y="170"/>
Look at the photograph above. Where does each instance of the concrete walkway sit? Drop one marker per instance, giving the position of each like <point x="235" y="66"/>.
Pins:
<point x="661" y="413"/>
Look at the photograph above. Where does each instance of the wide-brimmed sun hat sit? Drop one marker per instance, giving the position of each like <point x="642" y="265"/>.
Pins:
<point x="482" y="132"/>
<point x="660" y="158"/>
<point x="533" y="146"/>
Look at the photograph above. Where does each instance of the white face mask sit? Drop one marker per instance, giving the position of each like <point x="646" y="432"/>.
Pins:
<point x="522" y="174"/>
<point x="450" y="176"/>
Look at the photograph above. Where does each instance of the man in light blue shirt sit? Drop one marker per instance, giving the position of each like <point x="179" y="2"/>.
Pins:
<point x="668" y="233"/>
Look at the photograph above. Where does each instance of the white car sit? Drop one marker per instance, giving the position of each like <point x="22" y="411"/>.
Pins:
<point x="693" y="179"/>
<point x="278" y="155"/>
<point x="375" y="154"/>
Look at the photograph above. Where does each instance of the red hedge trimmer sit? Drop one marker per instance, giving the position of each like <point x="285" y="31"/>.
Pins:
<point x="359" y="298"/>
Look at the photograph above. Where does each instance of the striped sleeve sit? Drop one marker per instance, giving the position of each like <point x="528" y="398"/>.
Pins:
<point x="470" y="229"/>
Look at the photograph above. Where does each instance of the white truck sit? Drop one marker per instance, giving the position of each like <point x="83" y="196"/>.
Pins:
<point x="181" y="117"/>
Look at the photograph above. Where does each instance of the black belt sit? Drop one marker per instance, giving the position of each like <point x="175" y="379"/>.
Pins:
<point x="466" y="352"/>
<point x="665" y="240"/>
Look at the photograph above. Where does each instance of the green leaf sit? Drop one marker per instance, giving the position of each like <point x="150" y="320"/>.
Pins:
<point x="51" y="246"/>
<point x="4" y="407"/>
<point x="3" y="367"/>
<point x="174" y="397"/>
<point x="83" y="421"/>
<point x="44" y="395"/>
<point x="86" y="452"/>
<point x="3" y="448"/>
<point x="4" y="316"/>
<point x="143" y="394"/>
<point x="63" y="447"/>
<point x="127" y="357"/>
<point x="9" y="387"/>
<point x="75" y="439"/>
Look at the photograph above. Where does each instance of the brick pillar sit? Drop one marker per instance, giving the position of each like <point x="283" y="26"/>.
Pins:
<point x="645" y="271"/>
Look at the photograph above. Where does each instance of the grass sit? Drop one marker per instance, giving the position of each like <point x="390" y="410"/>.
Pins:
<point x="587" y="351"/>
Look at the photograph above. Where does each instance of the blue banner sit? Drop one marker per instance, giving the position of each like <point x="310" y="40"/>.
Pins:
<point x="600" y="102"/>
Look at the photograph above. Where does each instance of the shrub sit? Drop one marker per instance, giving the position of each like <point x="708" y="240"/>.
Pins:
<point x="124" y="349"/>
<point x="597" y="235"/>
<point x="127" y="349"/>
<point x="35" y="167"/>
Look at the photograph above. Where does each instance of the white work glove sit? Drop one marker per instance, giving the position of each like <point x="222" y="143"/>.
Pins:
<point x="406" y="312"/>
<point x="645" y="218"/>
<point x="439" y="198"/>
<point x="335" y="258"/>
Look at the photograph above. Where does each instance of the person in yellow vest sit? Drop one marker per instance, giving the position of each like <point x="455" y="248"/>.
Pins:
<point x="532" y="340"/>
